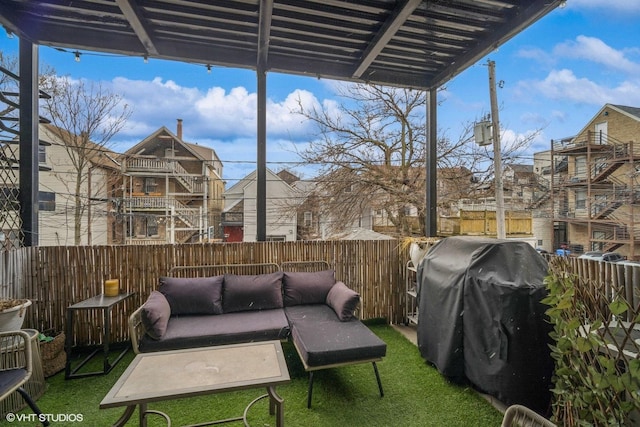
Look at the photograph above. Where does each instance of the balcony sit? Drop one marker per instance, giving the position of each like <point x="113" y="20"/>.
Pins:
<point x="56" y="277"/>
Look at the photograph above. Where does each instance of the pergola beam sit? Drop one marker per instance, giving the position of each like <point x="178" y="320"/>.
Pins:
<point x="132" y="13"/>
<point x="402" y="12"/>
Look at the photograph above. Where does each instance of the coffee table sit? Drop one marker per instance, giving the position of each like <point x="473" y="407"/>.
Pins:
<point x="153" y="377"/>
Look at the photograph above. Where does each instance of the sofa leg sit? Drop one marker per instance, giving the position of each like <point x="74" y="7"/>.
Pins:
<point x="375" y="369"/>
<point x="310" y="392"/>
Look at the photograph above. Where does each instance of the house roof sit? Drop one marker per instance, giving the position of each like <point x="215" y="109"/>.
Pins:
<point x="630" y="111"/>
<point x="633" y="112"/>
<point x="98" y="155"/>
<point x="152" y="138"/>
<point x="239" y="187"/>
<point x="520" y="168"/>
<point x="411" y="43"/>
<point x="359" y="233"/>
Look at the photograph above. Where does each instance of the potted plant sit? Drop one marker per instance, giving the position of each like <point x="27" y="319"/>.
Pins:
<point x="12" y="313"/>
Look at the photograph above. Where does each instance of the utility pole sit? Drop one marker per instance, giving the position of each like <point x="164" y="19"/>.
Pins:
<point x="497" y="157"/>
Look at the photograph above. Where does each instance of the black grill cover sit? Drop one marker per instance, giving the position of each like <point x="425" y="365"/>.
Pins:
<point x="481" y="320"/>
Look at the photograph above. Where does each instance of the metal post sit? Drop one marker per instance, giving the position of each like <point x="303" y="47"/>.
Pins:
<point x="29" y="141"/>
<point x="431" y="213"/>
<point x="497" y="156"/>
<point x="261" y="170"/>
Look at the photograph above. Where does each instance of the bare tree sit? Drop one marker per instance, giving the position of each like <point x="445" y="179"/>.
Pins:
<point x="372" y="148"/>
<point x="84" y="117"/>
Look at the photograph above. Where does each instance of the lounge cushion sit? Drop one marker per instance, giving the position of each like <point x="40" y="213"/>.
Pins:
<point x="252" y="292"/>
<point x="343" y="301"/>
<point x="307" y="288"/>
<point x="205" y="330"/>
<point x="322" y="339"/>
<point x="193" y="295"/>
<point x="155" y="315"/>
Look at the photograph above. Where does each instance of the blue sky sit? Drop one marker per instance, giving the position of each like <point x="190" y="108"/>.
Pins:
<point x="557" y="74"/>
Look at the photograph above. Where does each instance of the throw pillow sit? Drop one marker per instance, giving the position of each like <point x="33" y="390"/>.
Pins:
<point x="193" y="295"/>
<point x="307" y="288"/>
<point x="155" y="315"/>
<point x="343" y="300"/>
<point x="249" y="292"/>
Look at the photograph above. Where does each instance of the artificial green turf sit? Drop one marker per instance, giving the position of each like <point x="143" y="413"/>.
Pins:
<point x="415" y="395"/>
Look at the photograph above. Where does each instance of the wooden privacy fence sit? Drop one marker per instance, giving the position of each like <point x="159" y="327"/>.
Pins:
<point x="480" y="223"/>
<point x="56" y="277"/>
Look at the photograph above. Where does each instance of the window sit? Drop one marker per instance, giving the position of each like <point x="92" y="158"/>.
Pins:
<point x="46" y="201"/>
<point x="276" y="238"/>
<point x="581" y="166"/>
<point x="152" y="226"/>
<point x="581" y="199"/>
<point x="308" y="217"/>
<point x="150" y="185"/>
<point x="42" y="154"/>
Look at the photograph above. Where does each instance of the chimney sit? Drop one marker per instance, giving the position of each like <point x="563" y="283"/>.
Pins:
<point x="179" y="131"/>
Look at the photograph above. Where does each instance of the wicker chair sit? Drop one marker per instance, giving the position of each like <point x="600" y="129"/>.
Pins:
<point x="521" y="416"/>
<point x="16" y="366"/>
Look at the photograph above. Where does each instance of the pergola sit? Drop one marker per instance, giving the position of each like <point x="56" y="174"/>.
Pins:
<point x="418" y="44"/>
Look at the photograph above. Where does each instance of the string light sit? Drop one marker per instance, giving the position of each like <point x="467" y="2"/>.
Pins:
<point x="9" y="34"/>
<point x="208" y="68"/>
<point x="77" y="56"/>
<point x="146" y="59"/>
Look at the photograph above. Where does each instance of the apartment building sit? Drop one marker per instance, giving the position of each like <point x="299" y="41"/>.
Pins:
<point x="595" y="184"/>
<point x="171" y="191"/>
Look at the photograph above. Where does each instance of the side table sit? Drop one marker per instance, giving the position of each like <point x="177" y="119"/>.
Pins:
<point x="99" y="302"/>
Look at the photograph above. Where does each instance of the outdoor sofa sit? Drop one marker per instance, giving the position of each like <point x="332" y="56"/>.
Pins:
<point x="312" y="309"/>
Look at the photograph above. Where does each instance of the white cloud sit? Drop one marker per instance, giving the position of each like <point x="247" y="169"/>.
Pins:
<point x="536" y="54"/>
<point x="595" y="50"/>
<point x="564" y="85"/>
<point x="216" y="113"/>
<point x="610" y="6"/>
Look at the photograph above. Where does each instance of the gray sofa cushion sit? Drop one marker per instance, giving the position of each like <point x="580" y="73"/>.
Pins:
<point x="252" y="292"/>
<point x="343" y="301"/>
<point x="194" y="295"/>
<point x="206" y="330"/>
<point x="322" y="339"/>
<point x="307" y="288"/>
<point x="155" y="315"/>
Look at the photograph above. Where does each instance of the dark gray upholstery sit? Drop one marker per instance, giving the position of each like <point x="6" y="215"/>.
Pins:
<point x="252" y="292"/>
<point x="230" y="328"/>
<point x="193" y="295"/>
<point x="322" y="339"/>
<point x="307" y="287"/>
<point x="155" y="315"/>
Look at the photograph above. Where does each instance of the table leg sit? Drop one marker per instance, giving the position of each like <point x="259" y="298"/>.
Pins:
<point x="143" y="414"/>
<point x="68" y="343"/>
<point x="277" y="402"/>
<point x="106" y="335"/>
<point x="125" y="416"/>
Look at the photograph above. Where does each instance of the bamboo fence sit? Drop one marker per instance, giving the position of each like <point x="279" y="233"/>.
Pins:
<point x="56" y="277"/>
